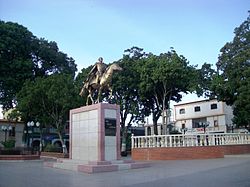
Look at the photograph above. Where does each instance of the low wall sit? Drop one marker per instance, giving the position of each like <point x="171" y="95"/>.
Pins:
<point x="188" y="153"/>
<point x="236" y="149"/>
<point x="19" y="157"/>
<point x="55" y="155"/>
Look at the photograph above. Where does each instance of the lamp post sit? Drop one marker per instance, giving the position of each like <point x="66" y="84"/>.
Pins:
<point x="6" y="129"/>
<point x="204" y="125"/>
<point x="232" y="127"/>
<point x="166" y="120"/>
<point x="184" y="130"/>
<point x="27" y="132"/>
<point x="32" y="125"/>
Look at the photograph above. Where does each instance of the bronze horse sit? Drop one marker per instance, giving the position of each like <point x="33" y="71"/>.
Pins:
<point x="91" y="85"/>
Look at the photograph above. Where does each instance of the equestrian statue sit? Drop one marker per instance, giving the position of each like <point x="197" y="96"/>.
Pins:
<point x="99" y="80"/>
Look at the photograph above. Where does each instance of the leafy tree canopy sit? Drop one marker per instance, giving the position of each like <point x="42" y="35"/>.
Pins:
<point x="23" y="57"/>
<point x="48" y="100"/>
<point x="164" y="78"/>
<point x="203" y="82"/>
<point x="232" y="82"/>
<point x="126" y="86"/>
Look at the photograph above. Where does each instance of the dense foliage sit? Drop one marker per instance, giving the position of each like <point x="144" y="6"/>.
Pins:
<point x="23" y="57"/>
<point x="232" y="84"/>
<point x="164" y="78"/>
<point x="48" y="100"/>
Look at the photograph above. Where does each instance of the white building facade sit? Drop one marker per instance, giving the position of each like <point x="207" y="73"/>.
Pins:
<point x="11" y="130"/>
<point x="208" y="116"/>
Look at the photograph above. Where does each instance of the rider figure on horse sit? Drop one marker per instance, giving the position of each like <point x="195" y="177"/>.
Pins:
<point x="97" y="71"/>
<point x="99" y="80"/>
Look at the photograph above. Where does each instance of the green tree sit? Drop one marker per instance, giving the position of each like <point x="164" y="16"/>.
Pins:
<point x="242" y="104"/>
<point x="47" y="59"/>
<point x="15" y="62"/>
<point x="203" y="82"/>
<point x="232" y="81"/>
<point x="126" y="86"/>
<point x="80" y="78"/>
<point x="126" y="91"/>
<point x="24" y="57"/>
<point x="49" y="100"/>
<point x="164" y="78"/>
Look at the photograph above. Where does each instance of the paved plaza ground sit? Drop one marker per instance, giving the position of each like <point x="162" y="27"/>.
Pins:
<point x="232" y="171"/>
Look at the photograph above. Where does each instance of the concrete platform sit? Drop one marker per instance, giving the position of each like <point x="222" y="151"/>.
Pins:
<point x="96" y="166"/>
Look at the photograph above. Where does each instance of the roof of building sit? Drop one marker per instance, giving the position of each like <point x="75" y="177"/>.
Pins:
<point x="193" y="102"/>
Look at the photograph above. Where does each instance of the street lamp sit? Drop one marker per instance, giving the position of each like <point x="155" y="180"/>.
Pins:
<point x="204" y="125"/>
<point x="231" y="126"/>
<point x="32" y="125"/>
<point x="6" y="129"/>
<point x="184" y="130"/>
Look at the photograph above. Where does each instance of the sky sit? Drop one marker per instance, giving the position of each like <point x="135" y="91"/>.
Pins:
<point x="88" y="29"/>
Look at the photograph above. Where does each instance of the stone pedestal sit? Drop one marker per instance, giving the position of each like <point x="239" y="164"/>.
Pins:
<point x="95" y="141"/>
<point x="95" y="133"/>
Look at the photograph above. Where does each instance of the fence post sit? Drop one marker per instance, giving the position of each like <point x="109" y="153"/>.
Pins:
<point x="132" y="141"/>
<point x="154" y="141"/>
<point x="170" y="141"/>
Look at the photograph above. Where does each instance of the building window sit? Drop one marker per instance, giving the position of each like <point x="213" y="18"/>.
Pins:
<point x="182" y="111"/>
<point x="197" y="123"/>
<point x="12" y="132"/>
<point x="216" y="123"/>
<point x="197" y="109"/>
<point x="213" y="106"/>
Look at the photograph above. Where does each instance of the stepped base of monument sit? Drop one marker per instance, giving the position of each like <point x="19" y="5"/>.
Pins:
<point x="96" y="166"/>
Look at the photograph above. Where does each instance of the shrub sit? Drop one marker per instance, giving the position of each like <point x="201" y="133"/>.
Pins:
<point x="52" y="148"/>
<point x="9" y="144"/>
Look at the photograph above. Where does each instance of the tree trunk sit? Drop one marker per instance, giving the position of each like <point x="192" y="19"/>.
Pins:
<point x="155" y="124"/>
<point x="124" y="142"/>
<point x="64" y="148"/>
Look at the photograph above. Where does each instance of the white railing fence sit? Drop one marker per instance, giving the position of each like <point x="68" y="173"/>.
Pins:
<point x="189" y="140"/>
